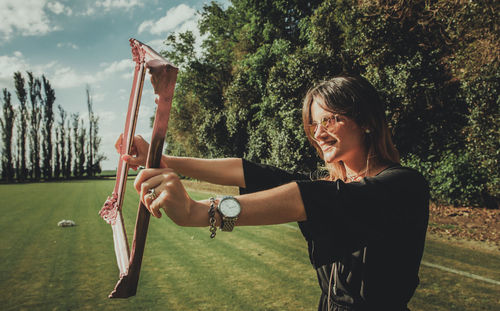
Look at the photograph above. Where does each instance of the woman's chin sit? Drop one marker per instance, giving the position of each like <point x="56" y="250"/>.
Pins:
<point x="330" y="156"/>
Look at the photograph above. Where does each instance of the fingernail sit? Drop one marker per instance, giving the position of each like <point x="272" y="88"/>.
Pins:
<point x="125" y="157"/>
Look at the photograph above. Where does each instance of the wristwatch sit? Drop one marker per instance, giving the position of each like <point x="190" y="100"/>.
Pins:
<point x="229" y="209"/>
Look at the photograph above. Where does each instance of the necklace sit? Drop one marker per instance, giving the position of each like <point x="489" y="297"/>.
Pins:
<point x="355" y="177"/>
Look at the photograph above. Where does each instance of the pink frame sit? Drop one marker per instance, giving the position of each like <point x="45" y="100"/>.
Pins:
<point x="164" y="76"/>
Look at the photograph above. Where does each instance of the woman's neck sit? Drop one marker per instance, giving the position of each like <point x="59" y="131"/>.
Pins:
<point x="356" y="169"/>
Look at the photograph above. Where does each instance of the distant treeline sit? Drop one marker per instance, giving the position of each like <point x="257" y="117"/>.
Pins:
<point x="435" y="63"/>
<point x="39" y="145"/>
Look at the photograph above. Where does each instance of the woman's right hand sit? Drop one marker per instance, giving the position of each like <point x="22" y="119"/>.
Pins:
<point x="138" y="152"/>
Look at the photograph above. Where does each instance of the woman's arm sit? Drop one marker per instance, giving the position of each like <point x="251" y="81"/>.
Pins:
<point x="227" y="172"/>
<point x="278" y="205"/>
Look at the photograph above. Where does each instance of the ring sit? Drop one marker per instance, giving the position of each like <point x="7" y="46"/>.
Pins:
<point x="152" y="193"/>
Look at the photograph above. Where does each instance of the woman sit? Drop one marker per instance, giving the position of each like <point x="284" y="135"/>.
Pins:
<point x="365" y="223"/>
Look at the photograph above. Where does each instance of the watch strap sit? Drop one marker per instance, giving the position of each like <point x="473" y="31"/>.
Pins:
<point x="227" y="224"/>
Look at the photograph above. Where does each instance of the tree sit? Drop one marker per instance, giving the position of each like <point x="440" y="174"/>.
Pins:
<point x="94" y="159"/>
<point x="34" y="95"/>
<point x="48" y="120"/>
<point x="80" y="152"/>
<point x="435" y="64"/>
<point x="67" y="171"/>
<point x="57" y="154"/>
<point x="61" y="141"/>
<point x="22" y="125"/>
<point x="7" y="126"/>
<point x="75" y="118"/>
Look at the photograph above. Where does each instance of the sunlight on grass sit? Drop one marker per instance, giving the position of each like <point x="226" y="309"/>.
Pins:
<point x="253" y="268"/>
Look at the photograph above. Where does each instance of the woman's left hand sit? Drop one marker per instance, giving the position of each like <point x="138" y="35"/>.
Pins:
<point x="171" y="196"/>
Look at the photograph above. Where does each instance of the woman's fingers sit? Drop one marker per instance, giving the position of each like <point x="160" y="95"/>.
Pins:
<point x="118" y="143"/>
<point x="146" y="174"/>
<point x="155" y="205"/>
<point x="169" y="194"/>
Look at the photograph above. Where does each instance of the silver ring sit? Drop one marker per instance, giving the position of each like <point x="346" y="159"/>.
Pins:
<point x="152" y="193"/>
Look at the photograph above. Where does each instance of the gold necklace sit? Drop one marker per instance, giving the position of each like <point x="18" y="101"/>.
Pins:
<point x="354" y="177"/>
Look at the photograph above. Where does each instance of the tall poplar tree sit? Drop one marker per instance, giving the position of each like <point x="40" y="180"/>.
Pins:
<point x="93" y="140"/>
<point x="22" y="125"/>
<point x="82" y="133"/>
<point x="7" y="126"/>
<point x="75" y="118"/>
<point x="90" y="149"/>
<point x="48" y="120"/>
<point x="57" y="155"/>
<point x="35" y="96"/>
<point x="67" y="171"/>
<point x="61" y="141"/>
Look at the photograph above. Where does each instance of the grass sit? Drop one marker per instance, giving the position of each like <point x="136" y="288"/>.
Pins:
<point x="45" y="267"/>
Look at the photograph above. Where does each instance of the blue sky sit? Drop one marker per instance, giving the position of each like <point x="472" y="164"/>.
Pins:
<point x="75" y="43"/>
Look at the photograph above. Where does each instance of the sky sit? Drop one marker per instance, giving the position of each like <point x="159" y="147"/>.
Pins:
<point x="85" y="42"/>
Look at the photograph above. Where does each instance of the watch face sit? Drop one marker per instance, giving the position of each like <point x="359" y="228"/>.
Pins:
<point x="229" y="207"/>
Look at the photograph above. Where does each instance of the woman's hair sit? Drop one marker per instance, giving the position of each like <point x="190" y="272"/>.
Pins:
<point x="355" y="98"/>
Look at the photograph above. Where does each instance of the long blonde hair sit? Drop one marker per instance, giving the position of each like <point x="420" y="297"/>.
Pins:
<point x="356" y="98"/>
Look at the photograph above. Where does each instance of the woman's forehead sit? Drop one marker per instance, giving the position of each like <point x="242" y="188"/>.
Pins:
<point x="319" y="106"/>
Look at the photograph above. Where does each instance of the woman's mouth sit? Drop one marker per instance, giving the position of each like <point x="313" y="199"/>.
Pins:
<point x="329" y="144"/>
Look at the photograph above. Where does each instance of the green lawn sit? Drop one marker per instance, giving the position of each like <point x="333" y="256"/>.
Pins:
<point x="45" y="267"/>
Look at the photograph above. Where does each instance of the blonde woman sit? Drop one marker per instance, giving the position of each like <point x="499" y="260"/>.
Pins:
<point x="364" y="223"/>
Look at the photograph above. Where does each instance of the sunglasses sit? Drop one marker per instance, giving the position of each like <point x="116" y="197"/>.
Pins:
<point x="325" y="123"/>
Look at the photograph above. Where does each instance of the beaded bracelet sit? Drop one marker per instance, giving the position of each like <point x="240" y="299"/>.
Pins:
<point x="211" y="218"/>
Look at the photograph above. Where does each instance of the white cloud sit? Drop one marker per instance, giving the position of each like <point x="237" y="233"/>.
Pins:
<point x="26" y="18"/>
<point x="173" y="18"/>
<point x="179" y="19"/>
<point x="67" y="77"/>
<point x="59" y="8"/>
<point x="68" y="44"/>
<point x="9" y="65"/>
<point x="61" y="76"/>
<point x="124" y="65"/>
<point x="118" y="4"/>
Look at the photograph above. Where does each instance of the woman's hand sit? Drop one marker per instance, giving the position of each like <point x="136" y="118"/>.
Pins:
<point x="171" y="195"/>
<point x="138" y="152"/>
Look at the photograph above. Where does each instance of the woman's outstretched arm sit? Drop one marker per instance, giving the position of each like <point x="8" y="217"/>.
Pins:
<point x="227" y="171"/>
<point x="274" y="206"/>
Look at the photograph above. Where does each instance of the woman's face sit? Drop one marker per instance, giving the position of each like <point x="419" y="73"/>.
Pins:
<point x="341" y="139"/>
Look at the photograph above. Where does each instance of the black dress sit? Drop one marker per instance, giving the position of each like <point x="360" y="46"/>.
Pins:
<point x="367" y="236"/>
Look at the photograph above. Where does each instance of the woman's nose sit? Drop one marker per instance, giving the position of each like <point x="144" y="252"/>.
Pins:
<point x="320" y="132"/>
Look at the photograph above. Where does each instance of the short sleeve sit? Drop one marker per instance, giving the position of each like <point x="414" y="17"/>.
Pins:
<point x="259" y="177"/>
<point x="350" y="215"/>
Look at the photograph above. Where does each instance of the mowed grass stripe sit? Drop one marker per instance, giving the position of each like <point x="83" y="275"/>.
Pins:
<point x="441" y="290"/>
<point x="479" y="262"/>
<point x="41" y="260"/>
<point x="218" y="254"/>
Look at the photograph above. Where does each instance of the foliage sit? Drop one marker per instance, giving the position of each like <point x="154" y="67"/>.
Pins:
<point x="7" y="126"/>
<point x="66" y="157"/>
<point x="435" y="64"/>
<point x="453" y="179"/>
<point x="48" y="100"/>
<point x="22" y="125"/>
<point x="34" y="86"/>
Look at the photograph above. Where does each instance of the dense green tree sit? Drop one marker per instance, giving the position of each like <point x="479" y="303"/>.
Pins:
<point x="435" y="64"/>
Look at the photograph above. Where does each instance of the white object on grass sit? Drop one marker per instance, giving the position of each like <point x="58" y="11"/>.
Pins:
<point x="66" y="223"/>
